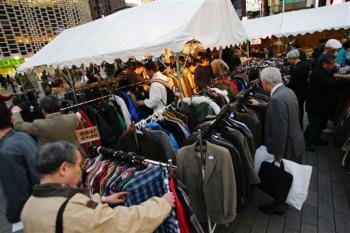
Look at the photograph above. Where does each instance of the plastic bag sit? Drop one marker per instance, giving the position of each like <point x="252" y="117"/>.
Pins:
<point x="301" y="177"/>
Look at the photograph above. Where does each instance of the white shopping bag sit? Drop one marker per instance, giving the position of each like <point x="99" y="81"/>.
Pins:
<point x="262" y="155"/>
<point x="301" y="177"/>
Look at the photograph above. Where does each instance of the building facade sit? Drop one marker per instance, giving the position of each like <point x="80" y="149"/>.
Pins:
<point x="100" y="8"/>
<point x="27" y="26"/>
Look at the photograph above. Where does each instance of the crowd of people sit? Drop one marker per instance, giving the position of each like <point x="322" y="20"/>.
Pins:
<point x="41" y="160"/>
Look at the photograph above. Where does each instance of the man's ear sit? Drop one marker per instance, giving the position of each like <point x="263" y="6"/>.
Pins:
<point x="62" y="170"/>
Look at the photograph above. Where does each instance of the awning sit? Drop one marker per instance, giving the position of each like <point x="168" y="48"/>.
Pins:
<point x="151" y="28"/>
<point x="299" y="22"/>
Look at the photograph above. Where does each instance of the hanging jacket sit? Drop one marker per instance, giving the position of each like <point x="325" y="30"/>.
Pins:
<point x="204" y="192"/>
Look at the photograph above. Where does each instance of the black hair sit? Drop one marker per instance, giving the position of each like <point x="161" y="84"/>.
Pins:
<point x="131" y="63"/>
<point x="346" y="45"/>
<point x="150" y="65"/>
<point x="52" y="155"/>
<point x="182" y="59"/>
<point x="326" y="58"/>
<point x="161" y="67"/>
<point x="206" y="56"/>
<point x="138" y="64"/>
<point x="5" y="117"/>
<point x="50" y="104"/>
<point x="323" y="41"/>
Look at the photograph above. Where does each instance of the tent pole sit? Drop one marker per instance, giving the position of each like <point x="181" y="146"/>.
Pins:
<point x="179" y="73"/>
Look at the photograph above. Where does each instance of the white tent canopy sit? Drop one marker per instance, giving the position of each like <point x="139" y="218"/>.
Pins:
<point x="299" y="22"/>
<point x="146" y="29"/>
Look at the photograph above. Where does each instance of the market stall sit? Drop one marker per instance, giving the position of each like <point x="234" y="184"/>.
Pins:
<point x="299" y="22"/>
<point x="151" y="28"/>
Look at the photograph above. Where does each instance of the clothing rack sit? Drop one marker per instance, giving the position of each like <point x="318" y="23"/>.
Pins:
<point x="155" y="114"/>
<point x="129" y="156"/>
<point x="224" y="110"/>
<point x="103" y="97"/>
<point x="86" y="102"/>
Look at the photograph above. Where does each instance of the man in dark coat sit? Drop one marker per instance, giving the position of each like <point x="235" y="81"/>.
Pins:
<point x="299" y="73"/>
<point x="318" y="101"/>
<point x="17" y="168"/>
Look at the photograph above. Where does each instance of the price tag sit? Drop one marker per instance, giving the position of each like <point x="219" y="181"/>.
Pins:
<point x="87" y="135"/>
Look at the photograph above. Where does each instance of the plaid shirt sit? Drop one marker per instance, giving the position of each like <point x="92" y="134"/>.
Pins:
<point x="146" y="184"/>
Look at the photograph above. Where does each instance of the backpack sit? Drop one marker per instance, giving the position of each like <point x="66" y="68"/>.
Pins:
<point x="170" y="95"/>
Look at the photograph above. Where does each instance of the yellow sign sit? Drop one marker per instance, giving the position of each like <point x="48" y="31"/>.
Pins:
<point x="87" y="135"/>
<point x="11" y="62"/>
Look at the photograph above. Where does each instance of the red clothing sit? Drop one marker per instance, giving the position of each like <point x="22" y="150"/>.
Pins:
<point x="180" y="212"/>
<point x="87" y="124"/>
<point x="5" y="98"/>
<point x="233" y="85"/>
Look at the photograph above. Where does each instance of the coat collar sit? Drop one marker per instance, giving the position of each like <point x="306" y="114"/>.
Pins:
<point x="210" y="161"/>
<point x="54" y="190"/>
<point x="7" y="135"/>
<point x="276" y="89"/>
<point x="55" y="114"/>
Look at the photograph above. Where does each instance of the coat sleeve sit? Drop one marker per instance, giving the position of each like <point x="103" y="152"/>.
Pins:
<point x="23" y="126"/>
<point x="279" y="127"/>
<point x="142" y="218"/>
<point x="230" y="187"/>
<point x="155" y="95"/>
<point x="15" y="183"/>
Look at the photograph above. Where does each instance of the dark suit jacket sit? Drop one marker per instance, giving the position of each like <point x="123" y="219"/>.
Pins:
<point x="284" y="136"/>
<point x="217" y="191"/>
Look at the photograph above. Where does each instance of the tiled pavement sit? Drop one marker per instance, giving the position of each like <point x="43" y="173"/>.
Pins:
<point x="327" y="209"/>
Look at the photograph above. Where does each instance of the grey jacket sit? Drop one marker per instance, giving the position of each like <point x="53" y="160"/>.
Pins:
<point x="55" y="127"/>
<point x="217" y="191"/>
<point x="283" y="135"/>
<point x="17" y="171"/>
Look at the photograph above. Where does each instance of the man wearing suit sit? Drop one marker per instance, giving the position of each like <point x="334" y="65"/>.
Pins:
<point x="56" y="126"/>
<point x="283" y="133"/>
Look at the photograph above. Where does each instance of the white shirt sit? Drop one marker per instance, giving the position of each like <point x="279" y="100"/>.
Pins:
<point x="157" y="93"/>
<point x="275" y="88"/>
<point x="84" y="79"/>
<point x="124" y="108"/>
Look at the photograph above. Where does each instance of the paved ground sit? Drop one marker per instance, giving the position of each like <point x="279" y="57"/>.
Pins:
<point x="325" y="211"/>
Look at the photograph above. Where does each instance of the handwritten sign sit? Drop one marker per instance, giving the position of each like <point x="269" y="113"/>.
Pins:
<point x="87" y="135"/>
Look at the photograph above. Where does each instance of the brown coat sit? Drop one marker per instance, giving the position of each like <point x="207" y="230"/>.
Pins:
<point x="89" y="215"/>
<point x="55" y="127"/>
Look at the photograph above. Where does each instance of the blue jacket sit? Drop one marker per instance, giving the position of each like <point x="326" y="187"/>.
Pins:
<point x="17" y="171"/>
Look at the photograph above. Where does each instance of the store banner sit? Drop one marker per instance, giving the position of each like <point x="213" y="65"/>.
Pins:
<point x="11" y="62"/>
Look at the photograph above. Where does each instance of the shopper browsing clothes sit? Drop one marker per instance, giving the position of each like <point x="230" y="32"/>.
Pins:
<point x="299" y="74"/>
<point x="55" y="127"/>
<point x="57" y="204"/>
<point x="203" y="75"/>
<point x="318" y="101"/>
<point x="283" y="134"/>
<point x="162" y="89"/>
<point x="17" y="167"/>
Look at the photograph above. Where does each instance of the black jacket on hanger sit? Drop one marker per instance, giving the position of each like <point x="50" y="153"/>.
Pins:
<point x="145" y="146"/>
